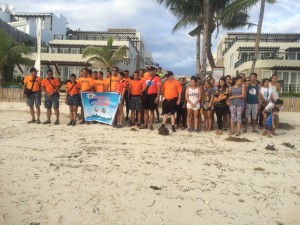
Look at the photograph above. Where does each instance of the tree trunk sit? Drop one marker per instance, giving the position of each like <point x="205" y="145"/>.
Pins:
<point x="205" y="35"/>
<point x="210" y="56"/>
<point x="258" y="34"/>
<point x="1" y="77"/>
<point x="198" y="63"/>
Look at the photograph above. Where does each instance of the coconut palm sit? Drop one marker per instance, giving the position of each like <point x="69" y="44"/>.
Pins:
<point x="107" y="56"/>
<point x="245" y="5"/>
<point x="11" y="54"/>
<point x="207" y="17"/>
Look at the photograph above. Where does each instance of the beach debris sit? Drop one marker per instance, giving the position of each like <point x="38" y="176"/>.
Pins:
<point x="241" y="200"/>
<point x="133" y="129"/>
<point x="236" y="139"/>
<point x="270" y="147"/>
<point x="289" y="145"/>
<point x="34" y="223"/>
<point x="259" y="169"/>
<point x="285" y="126"/>
<point x="155" y="188"/>
<point x="279" y="223"/>
<point x="164" y="131"/>
<point x="179" y="206"/>
<point x="152" y="204"/>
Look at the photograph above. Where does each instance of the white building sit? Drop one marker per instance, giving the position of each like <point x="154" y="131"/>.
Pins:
<point x="278" y="53"/>
<point x="64" y="54"/>
<point x="27" y="23"/>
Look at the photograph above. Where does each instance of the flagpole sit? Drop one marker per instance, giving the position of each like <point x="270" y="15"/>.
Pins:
<point x="37" y="64"/>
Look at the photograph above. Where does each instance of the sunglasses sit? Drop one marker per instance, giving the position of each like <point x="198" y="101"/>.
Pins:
<point x="247" y="80"/>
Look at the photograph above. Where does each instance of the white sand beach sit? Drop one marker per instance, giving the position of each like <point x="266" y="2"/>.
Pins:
<point x="96" y="174"/>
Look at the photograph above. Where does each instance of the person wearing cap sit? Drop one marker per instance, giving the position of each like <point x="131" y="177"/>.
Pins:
<point x="33" y="83"/>
<point x="171" y="92"/>
<point x="150" y="97"/>
<point x="50" y="87"/>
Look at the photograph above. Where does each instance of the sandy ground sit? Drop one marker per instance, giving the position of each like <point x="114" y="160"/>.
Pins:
<point x="96" y="174"/>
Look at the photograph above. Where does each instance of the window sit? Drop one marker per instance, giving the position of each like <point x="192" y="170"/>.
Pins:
<point x="64" y="50"/>
<point x="75" y="51"/>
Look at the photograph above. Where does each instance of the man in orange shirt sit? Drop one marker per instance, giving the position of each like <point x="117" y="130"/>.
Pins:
<point x="100" y="85"/>
<point x="33" y="84"/>
<point x="73" y="98"/>
<point x="113" y="80"/>
<point x="151" y="89"/>
<point x="171" y="93"/>
<point x="135" y="92"/>
<point x="141" y="74"/>
<point x="86" y="85"/>
<point x="126" y="95"/>
<point x="50" y="87"/>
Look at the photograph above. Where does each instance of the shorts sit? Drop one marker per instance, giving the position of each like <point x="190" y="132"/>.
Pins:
<point x="189" y="106"/>
<point x="74" y="100"/>
<point x="269" y="127"/>
<point x="252" y="109"/>
<point x="35" y="98"/>
<point x="169" y="106"/>
<point x="52" y="101"/>
<point x="136" y="103"/>
<point x="149" y="101"/>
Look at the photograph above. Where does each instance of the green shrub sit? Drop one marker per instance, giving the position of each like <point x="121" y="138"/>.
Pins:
<point x="289" y="94"/>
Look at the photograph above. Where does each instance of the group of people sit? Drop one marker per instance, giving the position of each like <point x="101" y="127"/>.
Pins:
<point x="233" y="100"/>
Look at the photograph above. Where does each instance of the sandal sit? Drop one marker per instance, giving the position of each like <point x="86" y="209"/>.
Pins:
<point x="31" y="121"/>
<point x="47" y="122"/>
<point x="238" y="134"/>
<point x="38" y="122"/>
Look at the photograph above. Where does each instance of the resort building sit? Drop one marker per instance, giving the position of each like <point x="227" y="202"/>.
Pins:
<point x="278" y="53"/>
<point x="64" y="53"/>
<point x="27" y="23"/>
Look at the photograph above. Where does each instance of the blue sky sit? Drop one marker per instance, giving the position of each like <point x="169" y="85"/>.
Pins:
<point x="174" y="52"/>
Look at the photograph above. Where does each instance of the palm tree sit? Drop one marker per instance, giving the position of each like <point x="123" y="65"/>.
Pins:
<point x="11" y="54"/>
<point x="107" y="56"/>
<point x="207" y="16"/>
<point x="245" y="5"/>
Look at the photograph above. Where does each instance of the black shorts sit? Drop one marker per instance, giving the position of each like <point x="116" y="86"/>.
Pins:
<point x="169" y="106"/>
<point x="149" y="101"/>
<point x="74" y="100"/>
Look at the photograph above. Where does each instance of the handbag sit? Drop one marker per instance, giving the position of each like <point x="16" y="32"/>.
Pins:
<point x="28" y="92"/>
<point x="54" y="88"/>
<point x="144" y="93"/>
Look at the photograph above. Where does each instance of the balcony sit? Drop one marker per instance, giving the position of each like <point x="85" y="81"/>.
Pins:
<point x="271" y="57"/>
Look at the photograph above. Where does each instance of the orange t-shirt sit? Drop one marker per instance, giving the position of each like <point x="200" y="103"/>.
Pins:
<point x="171" y="89"/>
<point x="75" y="89"/>
<point x="120" y="86"/>
<point x="86" y="84"/>
<point x="48" y="87"/>
<point x="136" y="87"/>
<point x="100" y="85"/>
<point x="28" y="80"/>
<point x="113" y="82"/>
<point x="155" y="83"/>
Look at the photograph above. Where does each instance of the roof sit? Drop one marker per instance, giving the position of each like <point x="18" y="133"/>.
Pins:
<point x="285" y="68"/>
<point x="64" y="63"/>
<point x="265" y="37"/>
<point x="252" y="48"/>
<point x="32" y="14"/>
<point x="69" y="43"/>
<point x="293" y="49"/>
